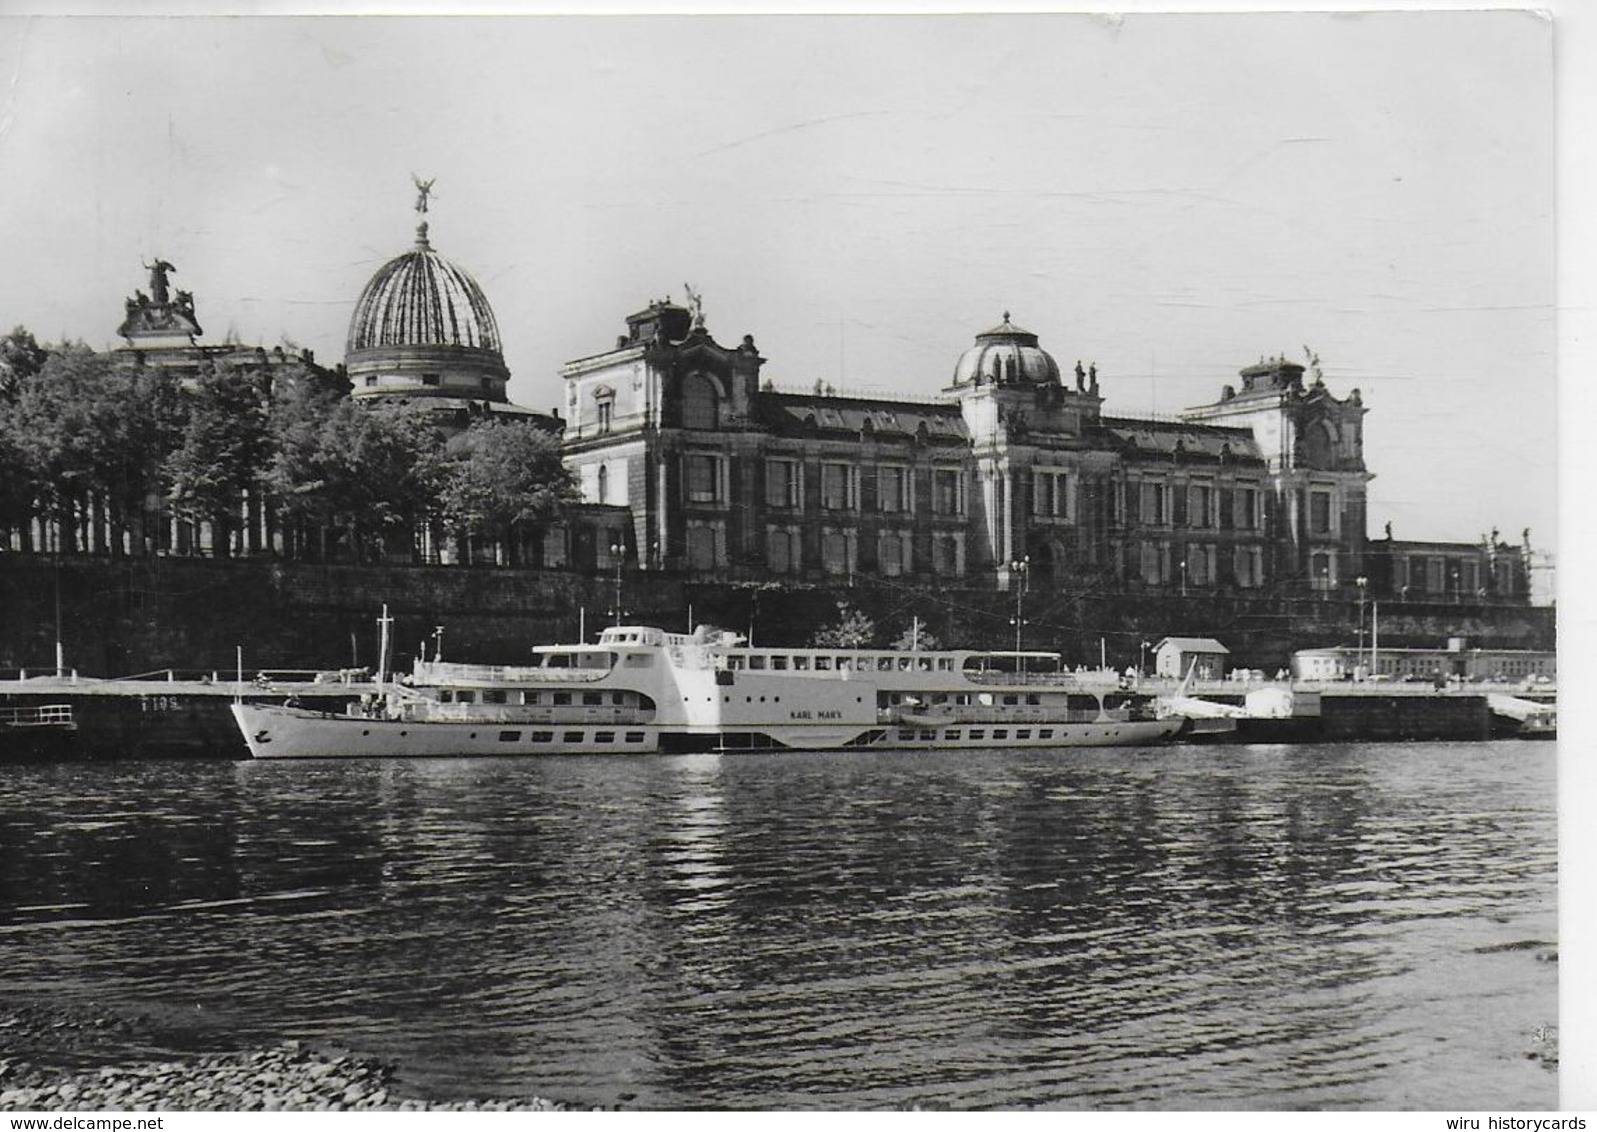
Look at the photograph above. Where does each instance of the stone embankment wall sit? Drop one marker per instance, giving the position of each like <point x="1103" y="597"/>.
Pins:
<point x="119" y="617"/>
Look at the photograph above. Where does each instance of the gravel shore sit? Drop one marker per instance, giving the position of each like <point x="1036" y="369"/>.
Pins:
<point x="292" y="1076"/>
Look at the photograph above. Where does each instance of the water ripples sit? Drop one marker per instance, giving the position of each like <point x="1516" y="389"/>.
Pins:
<point x="1233" y="927"/>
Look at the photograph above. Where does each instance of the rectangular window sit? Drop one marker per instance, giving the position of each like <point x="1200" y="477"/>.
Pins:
<point x="948" y="494"/>
<point x="1322" y="573"/>
<point x="704" y="478"/>
<point x="634" y="736"/>
<point x="1248" y="565"/>
<point x="1320" y="512"/>
<point x="783" y="550"/>
<point x="784" y="484"/>
<point x="509" y="736"/>
<point x="946" y="551"/>
<point x="839" y="487"/>
<point x="1050" y="494"/>
<point x="1155" y="511"/>
<point x="1152" y="563"/>
<point x="837" y="552"/>
<point x="606" y="414"/>
<point x="543" y="737"/>
<point x="893" y="488"/>
<point x="1247" y="509"/>
<point x="1200" y="506"/>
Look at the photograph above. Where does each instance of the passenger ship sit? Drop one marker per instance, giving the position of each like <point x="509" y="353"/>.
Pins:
<point x="643" y="690"/>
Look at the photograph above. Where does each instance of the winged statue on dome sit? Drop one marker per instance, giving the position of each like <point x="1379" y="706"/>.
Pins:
<point x="423" y="191"/>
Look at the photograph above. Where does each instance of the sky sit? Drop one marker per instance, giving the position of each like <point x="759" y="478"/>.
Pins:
<point x="1170" y="196"/>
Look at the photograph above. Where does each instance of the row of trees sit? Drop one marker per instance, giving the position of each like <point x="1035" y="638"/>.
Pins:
<point x="99" y="457"/>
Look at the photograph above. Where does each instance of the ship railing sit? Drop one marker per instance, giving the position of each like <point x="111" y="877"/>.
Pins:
<point x="1086" y="680"/>
<point x="442" y="672"/>
<point x="487" y="715"/>
<point x="43" y="715"/>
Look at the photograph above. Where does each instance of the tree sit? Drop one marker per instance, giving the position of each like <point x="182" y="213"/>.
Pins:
<point x="87" y="439"/>
<point x="21" y="357"/>
<point x="364" y="474"/>
<point x="852" y="630"/>
<point x="224" y="449"/>
<point x="504" y="480"/>
<point x="910" y="639"/>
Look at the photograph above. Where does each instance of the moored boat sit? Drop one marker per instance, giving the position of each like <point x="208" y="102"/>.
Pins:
<point x="642" y="690"/>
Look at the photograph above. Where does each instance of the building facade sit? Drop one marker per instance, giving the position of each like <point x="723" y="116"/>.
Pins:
<point x="1010" y="475"/>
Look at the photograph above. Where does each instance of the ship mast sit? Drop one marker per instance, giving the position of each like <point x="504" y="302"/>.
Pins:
<point x="384" y="623"/>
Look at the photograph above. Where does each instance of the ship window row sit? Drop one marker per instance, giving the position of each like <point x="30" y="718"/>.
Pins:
<point x="514" y="735"/>
<point x="957" y="733"/>
<point x="497" y="696"/>
<point x="831" y="662"/>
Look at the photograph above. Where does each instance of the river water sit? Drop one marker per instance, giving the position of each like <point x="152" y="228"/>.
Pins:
<point x="1362" y="926"/>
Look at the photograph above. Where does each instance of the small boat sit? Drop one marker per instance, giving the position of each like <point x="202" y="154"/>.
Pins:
<point x="641" y="690"/>
<point x="1523" y="719"/>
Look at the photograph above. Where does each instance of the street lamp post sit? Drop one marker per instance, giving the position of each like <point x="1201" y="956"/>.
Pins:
<point x="618" y="552"/>
<point x="1361" y="581"/>
<point x="1018" y="572"/>
<point x="1183" y="577"/>
<point x="1142" y="659"/>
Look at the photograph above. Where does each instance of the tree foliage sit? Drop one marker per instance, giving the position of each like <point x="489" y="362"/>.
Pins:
<point x="82" y="432"/>
<point x="225" y="444"/>
<point x="911" y="639"/>
<point x="21" y="357"/>
<point x="98" y="448"/>
<point x="503" y="475"/>
<point x="852" y="630"/>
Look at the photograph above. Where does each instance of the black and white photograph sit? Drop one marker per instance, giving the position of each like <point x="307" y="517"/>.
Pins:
<point x="895" y="562"/>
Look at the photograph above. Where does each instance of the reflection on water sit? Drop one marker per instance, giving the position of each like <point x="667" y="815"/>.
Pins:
<point x="1294" y="927"/>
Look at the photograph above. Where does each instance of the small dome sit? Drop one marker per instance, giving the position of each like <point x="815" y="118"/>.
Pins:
<point x="421" y="299"/>
<point x="1006" y="355"/>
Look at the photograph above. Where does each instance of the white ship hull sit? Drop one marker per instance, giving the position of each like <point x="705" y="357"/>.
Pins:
<point x="641" y="690"/>
<point x="297" y="733"/>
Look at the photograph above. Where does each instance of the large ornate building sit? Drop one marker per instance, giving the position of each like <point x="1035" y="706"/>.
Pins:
<point x="1013" y="469"/>
<point x="690" y="462"/>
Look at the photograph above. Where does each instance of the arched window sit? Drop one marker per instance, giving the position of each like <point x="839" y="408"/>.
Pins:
<point x="699" y="402"/>
<point x="1319" y="445"/>
<point x="604" y="484"/>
